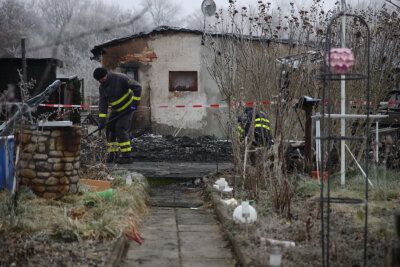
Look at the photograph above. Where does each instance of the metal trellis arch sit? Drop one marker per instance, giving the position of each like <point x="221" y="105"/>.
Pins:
<point x="328" y="76"/>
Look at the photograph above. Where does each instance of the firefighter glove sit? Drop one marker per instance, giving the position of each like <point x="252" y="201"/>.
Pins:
<point x="133" y="107"/>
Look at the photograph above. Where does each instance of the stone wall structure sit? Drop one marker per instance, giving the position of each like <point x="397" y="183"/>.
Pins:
<point x="50" y="160"/>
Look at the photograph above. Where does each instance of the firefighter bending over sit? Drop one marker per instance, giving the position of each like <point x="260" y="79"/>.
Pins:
<point x="262" y="127"/>
<point x="123" y="95"/>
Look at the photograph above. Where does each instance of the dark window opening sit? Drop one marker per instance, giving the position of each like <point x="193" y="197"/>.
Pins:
<point x="183" y="81"/>
<point x="131" y="73"/>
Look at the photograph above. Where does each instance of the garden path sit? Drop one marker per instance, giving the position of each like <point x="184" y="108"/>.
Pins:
<point x="179" y="231"/>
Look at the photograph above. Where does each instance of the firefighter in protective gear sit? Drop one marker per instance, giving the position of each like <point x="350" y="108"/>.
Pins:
<point x="123" y="95"/>
<point x="262" y="127"/>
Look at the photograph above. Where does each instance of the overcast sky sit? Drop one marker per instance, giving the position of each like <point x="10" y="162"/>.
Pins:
<point x="188" y="6"/>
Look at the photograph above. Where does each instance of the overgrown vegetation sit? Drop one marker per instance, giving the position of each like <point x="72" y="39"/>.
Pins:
<point x="74" y="219"/>
<point x="270" y="57"/>
<point x="68" y="29"/>
<point x="304" y="228"/>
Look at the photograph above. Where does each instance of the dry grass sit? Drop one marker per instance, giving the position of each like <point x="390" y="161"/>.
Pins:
<point x="72" y="218"/>
<point x="347" y="221"/>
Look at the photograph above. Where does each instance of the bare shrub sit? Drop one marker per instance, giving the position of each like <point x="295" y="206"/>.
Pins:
<point x="272" y="55"/>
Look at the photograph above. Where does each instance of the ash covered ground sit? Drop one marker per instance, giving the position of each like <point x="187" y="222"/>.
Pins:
<point x="149" y="147"/>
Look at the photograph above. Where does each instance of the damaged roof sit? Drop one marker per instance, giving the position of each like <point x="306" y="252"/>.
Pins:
<point x="97" y="50"/>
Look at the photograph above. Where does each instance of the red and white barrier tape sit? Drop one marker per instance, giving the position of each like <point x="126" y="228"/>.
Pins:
<point x="66" y="106"/>
<point x="177" y="106"/>
<point x="73" y="106"/>
<point x="213" y="105"/>
<point x="372" y="102"/>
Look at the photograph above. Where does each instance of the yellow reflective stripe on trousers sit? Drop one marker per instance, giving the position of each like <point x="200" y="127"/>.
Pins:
<point x="125" y="144"/>
<point x="262" y="125"/>
<point x="102" y="115"/>
<point x="262" y="119"/>
<point x="124" y="106"/>
<point x="126" y="149"/>
<point x="137" y="98"/>
<point x="112" y="147"/>
<point x="121" y="99"/>
<point x="113" y="144"/>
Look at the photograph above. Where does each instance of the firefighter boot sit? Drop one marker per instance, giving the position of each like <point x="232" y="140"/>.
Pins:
<point x="111" y="157"/>
<point x="125" y="158"/>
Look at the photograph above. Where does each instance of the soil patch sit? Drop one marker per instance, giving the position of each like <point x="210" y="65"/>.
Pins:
<point x="304" y="228"/>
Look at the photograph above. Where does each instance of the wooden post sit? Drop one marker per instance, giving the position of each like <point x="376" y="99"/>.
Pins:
<point x="307" y="104"/>
<point x="23" y="57"/>
<point x="308" y="107"/>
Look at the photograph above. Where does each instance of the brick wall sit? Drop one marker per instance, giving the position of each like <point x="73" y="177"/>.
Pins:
<point x="145" y="56"/>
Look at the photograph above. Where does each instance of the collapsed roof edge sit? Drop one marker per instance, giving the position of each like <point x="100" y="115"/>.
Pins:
<point x="97" y="49"/>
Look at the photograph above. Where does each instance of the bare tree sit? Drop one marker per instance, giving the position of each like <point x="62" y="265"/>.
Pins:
<point x="16" y="21"/>
<point x="58" y="13"/>
<point x="163" y="12"/>
<point x="195" y="21"/>
<point x="50" y="21"/>
<point x="245" y="56"/>
<point x="92" y="16"/>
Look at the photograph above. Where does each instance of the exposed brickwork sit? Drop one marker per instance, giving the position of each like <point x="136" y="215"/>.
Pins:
<point x="50" y="160"/>
<point x="146" y="56"/>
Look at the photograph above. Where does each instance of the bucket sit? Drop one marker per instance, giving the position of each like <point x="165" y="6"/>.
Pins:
<point x="6" y="162"/>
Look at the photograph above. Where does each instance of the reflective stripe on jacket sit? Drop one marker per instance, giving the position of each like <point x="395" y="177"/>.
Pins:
<point x="240" y="131"/>
<point x="262" y="123"/>
<point x="118" y="91"/>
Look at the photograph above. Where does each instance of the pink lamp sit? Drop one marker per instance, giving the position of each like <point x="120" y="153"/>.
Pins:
<point x="341" y="60"/>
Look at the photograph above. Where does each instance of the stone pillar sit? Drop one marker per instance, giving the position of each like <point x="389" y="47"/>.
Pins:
<point x="50" y="160"/>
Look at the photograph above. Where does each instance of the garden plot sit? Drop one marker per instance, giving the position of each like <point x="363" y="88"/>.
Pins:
<point x="76" y="230"/>
<point x="304" y="225"/>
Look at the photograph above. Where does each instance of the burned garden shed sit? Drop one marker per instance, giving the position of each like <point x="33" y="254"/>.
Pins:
<point x="179" y="95"/>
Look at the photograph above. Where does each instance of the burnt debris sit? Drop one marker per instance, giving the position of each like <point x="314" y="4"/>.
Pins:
<point x="168" y="148"/>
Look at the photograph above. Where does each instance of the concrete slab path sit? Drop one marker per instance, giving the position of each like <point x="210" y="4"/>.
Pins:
<point x="177" y="236"/>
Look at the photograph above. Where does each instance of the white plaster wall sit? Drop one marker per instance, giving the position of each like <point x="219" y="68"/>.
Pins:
<point x="181" y="52"/>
